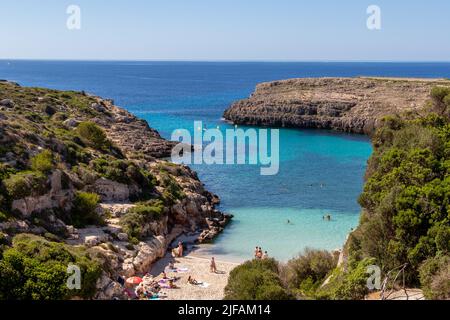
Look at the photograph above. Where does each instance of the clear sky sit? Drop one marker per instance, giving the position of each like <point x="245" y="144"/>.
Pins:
<point x="291" y="30"/>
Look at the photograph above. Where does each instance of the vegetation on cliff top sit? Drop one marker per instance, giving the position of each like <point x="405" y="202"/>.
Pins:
<point x="406" y="199"/>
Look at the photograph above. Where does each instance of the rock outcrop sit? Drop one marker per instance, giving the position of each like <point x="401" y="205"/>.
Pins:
<point x="346" y="104"/>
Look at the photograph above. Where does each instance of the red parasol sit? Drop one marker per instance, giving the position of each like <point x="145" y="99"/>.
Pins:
<point x="134" y="280"/>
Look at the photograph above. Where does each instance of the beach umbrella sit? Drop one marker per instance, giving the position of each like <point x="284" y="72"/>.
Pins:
<point x="134" y="280"/>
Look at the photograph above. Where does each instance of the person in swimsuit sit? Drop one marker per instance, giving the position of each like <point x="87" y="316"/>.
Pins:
<point x="212" y="266"/>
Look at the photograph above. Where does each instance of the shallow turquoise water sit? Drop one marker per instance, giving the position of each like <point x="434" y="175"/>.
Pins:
<point x="320" y="173"/>
<point x="267" y="227"/>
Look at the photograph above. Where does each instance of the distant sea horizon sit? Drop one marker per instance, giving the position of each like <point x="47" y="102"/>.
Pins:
<point x="224" y="60"/>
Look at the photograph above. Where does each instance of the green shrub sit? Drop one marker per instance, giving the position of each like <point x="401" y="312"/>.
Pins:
<point x="136" y="218"/>
<point x="24" y="184"/>
<point x="36" y="269"/>
<point x="172" y="190"/>
<point x="256" y="280"/>
<point x="5" y="171"/>
<point x="42" y="162"/>
<point x="441" y="99"/>
<point x="93" y="135"/>
<point x="350" y="285"/>
<point x="83" y="211"/>
<point x="3" y="216"/>
<point x="435" y="277"/>
<point x="439" y="93"/>
<point x="308" y="271"/>
<point x="151" y="210"/>
<point x="124" y="172"/>
<point x="76" y="154"/>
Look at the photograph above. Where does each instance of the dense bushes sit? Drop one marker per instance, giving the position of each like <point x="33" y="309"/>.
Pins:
<point x="304" y="274"/>
<point x="347" y="285"/>
<point x="93" y="135"/>
<point x="172" y="191"/>
<point x="42" y="162"/>
<point x="84" y="210"/>
<point x="135" y="220"/>
<point x="406" y="198"/>
<point x="435" y="277"/>
<point x="24" y="184"/>
<point x="36" y="269"/>
<point x="441" y="100"/>
<point x="124" y="172"/>
<point x="256" y="280"/>
<point x="3" y="216"/>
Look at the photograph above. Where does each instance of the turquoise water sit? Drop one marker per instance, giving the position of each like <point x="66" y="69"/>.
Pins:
<point x="320" y="173"/>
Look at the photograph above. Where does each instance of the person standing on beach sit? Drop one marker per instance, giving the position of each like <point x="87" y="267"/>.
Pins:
<point x="212" y="266"/>
<point x="256" y="252"/>
<point x="180" y="249"/>
<point x="265" y="255"/>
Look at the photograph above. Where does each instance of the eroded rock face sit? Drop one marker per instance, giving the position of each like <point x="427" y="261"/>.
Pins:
<point x="148" y="252"/>
<point x="56" y="198"/>
<point x="108" y="289"/>
<point x="111" y="191"/>
<point x="345" y="104"/>
<point x="132" y="134"/>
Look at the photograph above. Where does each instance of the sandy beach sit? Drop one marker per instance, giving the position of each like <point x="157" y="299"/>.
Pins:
<point x="197" y="267"/>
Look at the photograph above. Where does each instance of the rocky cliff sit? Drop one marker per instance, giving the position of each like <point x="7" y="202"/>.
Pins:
<point x="77" y="170"/>
<point x="345" y="104"/>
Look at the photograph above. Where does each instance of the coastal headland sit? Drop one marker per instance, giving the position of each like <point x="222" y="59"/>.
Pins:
<point x="353" y="105"/>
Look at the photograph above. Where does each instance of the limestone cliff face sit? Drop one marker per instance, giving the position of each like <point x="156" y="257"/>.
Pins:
<point x="344" y="104"/>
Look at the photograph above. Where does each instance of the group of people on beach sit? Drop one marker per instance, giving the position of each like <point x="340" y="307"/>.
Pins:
<point x="260" y="255"/>
<point x="178" y="253"/>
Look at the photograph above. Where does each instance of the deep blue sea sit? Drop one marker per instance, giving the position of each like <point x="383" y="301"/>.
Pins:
<point x="321" y="172"/>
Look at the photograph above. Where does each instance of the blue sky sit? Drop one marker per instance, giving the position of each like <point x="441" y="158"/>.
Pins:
<point x="271" y="30"/>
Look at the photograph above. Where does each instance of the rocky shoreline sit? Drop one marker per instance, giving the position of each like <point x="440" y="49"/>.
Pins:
<point x="353" y="105"/>
<point x="34" y="119"/>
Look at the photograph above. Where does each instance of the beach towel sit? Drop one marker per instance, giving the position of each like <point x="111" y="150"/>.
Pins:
<point x="204" y="285"/>
<point x="166" y="286"/>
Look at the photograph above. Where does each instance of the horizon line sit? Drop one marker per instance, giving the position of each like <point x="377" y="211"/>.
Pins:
<point x="225" y="60"/>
